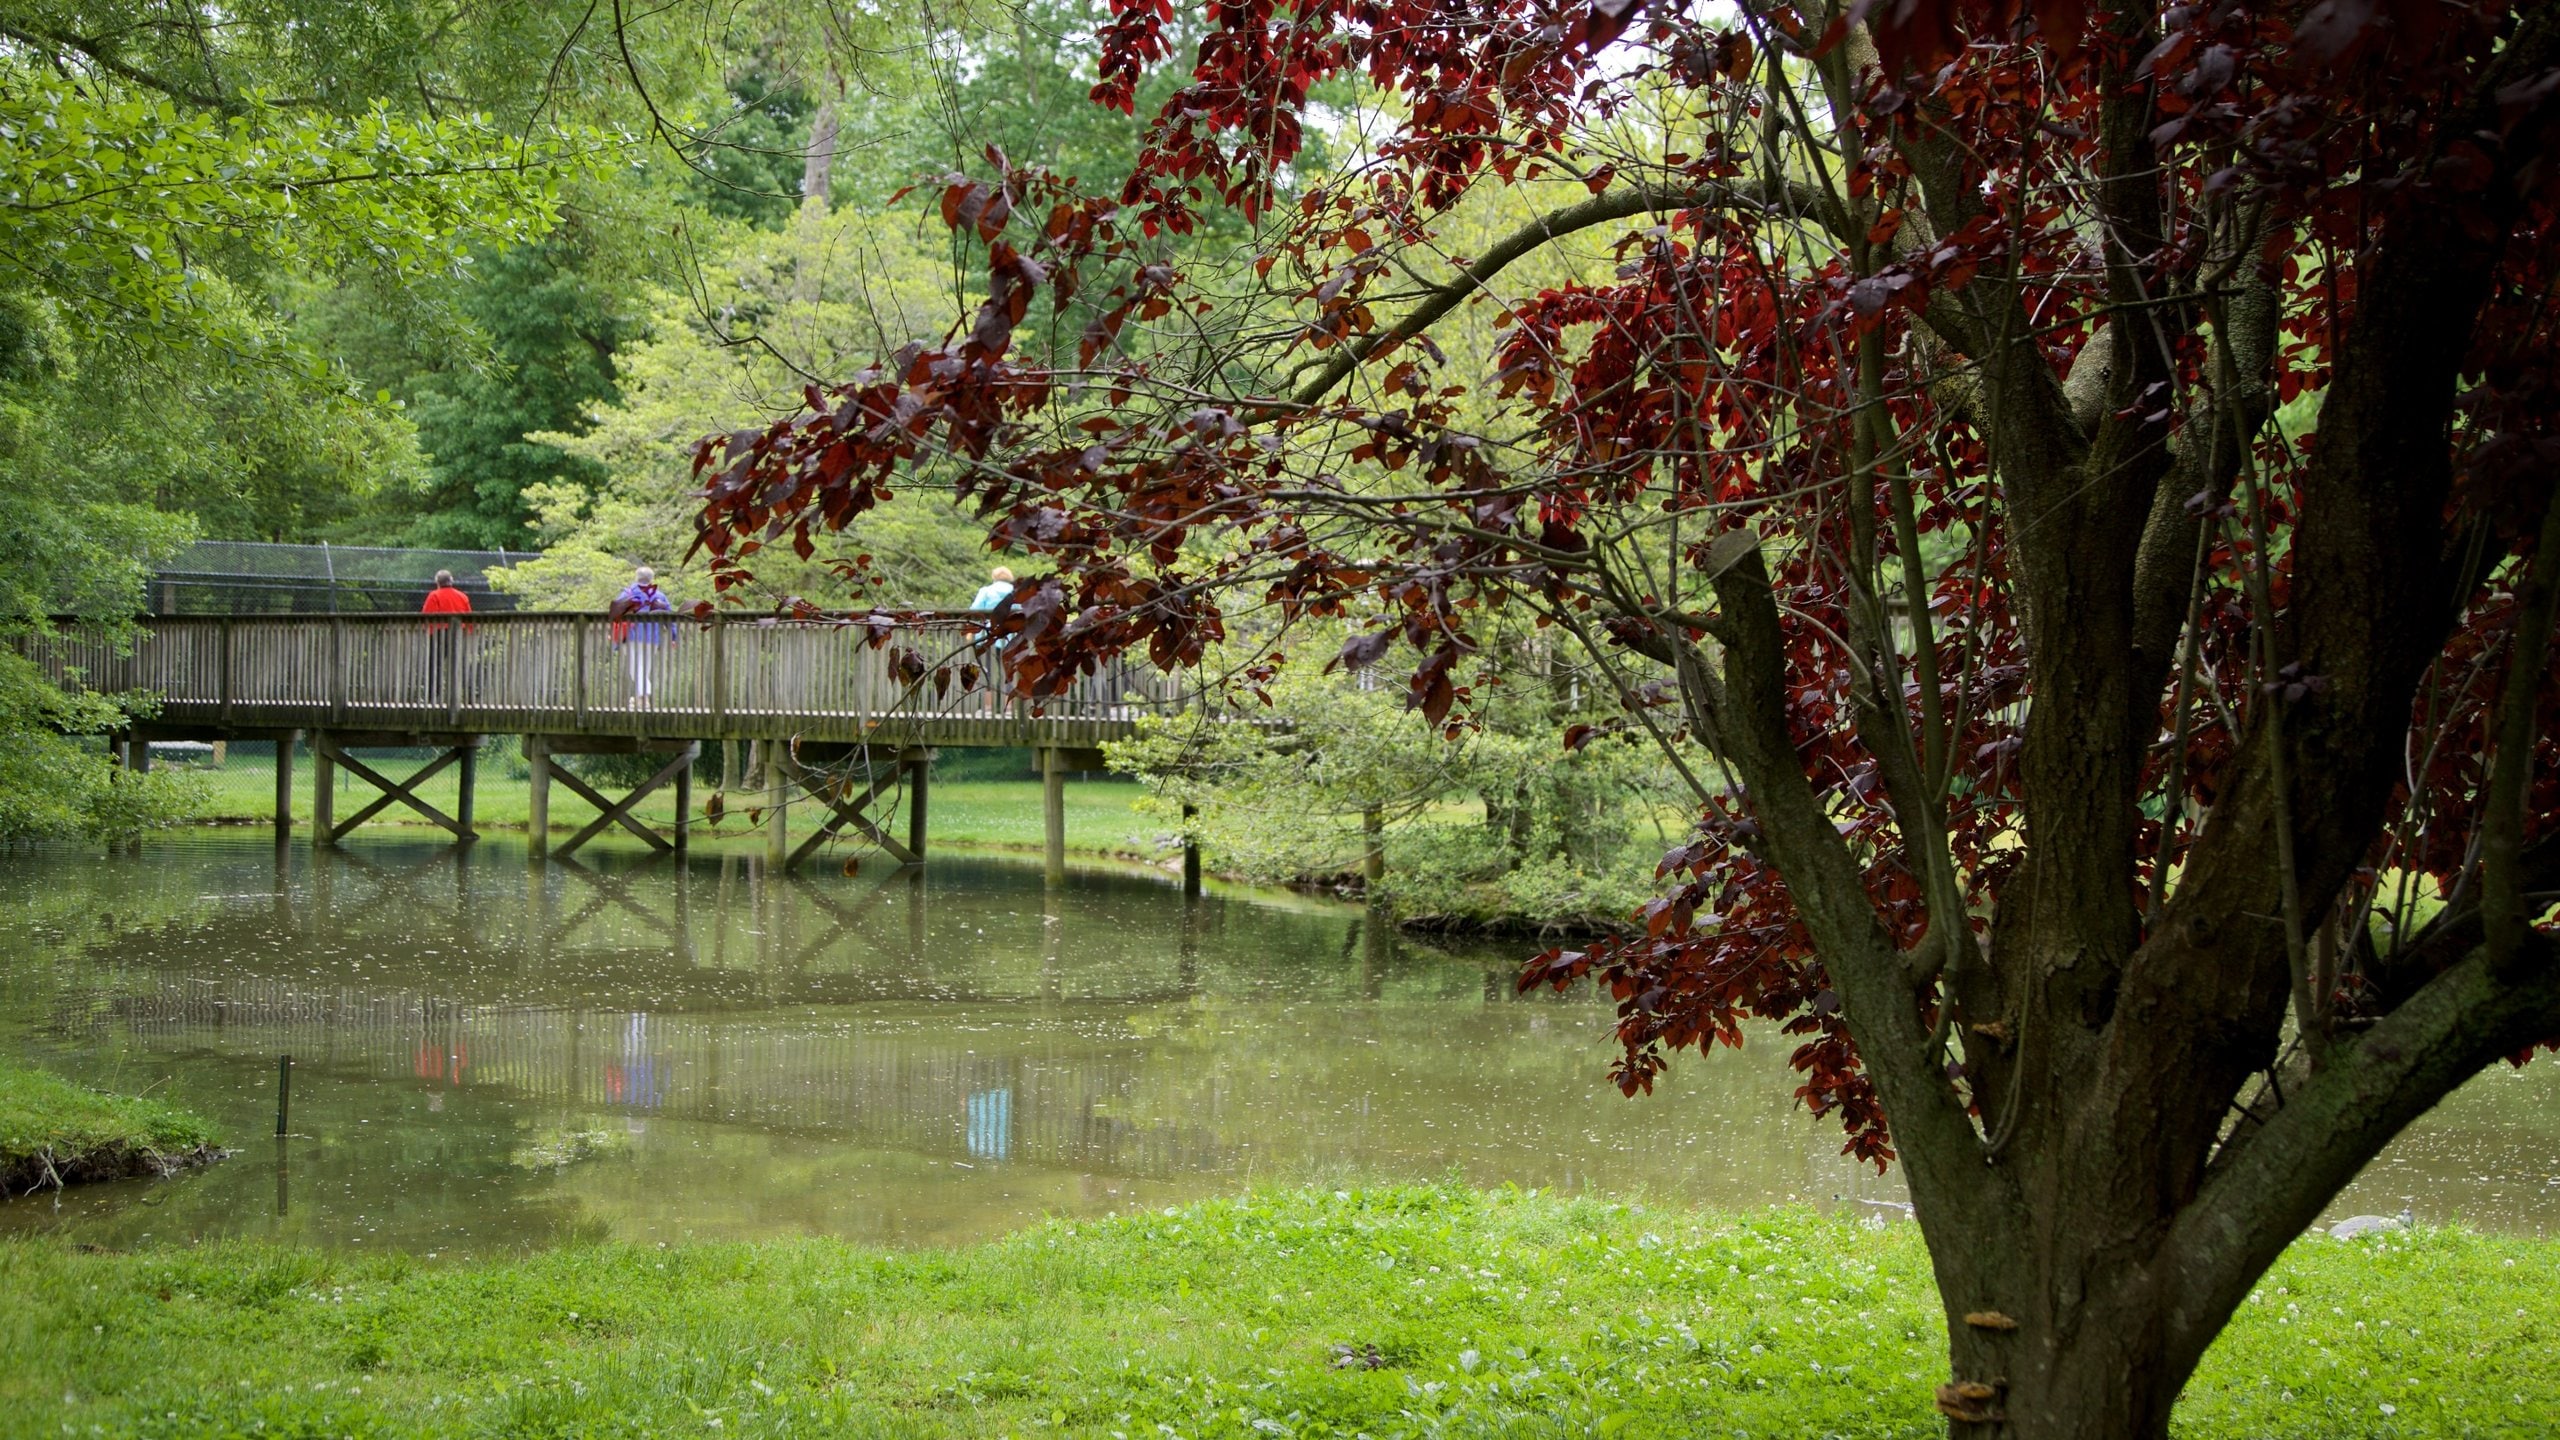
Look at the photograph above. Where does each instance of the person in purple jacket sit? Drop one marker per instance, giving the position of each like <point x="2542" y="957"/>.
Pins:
<point x="639" y="637"/>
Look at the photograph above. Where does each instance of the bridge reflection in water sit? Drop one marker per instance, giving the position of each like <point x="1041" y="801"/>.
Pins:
<point x="936" y="1054"/>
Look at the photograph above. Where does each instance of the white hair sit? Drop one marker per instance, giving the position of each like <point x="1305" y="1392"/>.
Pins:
<point x="646" y="576"/>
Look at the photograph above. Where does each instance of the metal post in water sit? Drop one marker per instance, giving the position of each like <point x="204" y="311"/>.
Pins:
<point x="284" y="1092"/>
<point x="1190" y="853"/>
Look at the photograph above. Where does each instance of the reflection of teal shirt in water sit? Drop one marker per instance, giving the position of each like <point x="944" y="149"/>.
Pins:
<point x="990" y="1133"/>
<point x="991" y="594"/>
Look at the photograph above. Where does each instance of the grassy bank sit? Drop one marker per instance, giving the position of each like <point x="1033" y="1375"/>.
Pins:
<point x="53" y="1132"/>
<point x="997" y="813"/>
<point x="1409" y="1312"/>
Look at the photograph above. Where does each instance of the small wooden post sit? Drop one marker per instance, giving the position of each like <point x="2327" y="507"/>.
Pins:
<point x="684" y="800"/>
<point x="1053" y="815"/>
<point x="578" y="670"/>
<point x="140" y="749"/>
<point x="1373" y="836"/>
<point x="284" y="1093"/>
<point x="324" y="789"/>
<point x="919" y="768"/>
<point x="470" y="767"/>
<point x="537" y="759"/>
<point x="1190" y="854"/>
<point x="284" y="782"/>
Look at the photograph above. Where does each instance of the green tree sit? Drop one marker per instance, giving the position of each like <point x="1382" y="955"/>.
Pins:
<point x="1491" y="826"/>
<point x="749" y="161"/>
<point x="772" y="307"/>
<point x="553" y="315"/>
<point x="164" y="171"/>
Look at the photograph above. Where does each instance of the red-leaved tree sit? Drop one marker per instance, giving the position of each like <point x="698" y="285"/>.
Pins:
<point x="2071" y="483"/>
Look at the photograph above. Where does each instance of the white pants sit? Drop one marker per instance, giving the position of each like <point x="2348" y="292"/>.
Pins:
<point x="641" y="660"/>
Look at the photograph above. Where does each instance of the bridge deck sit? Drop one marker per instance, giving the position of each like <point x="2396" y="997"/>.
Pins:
<point x="929" y="680"/>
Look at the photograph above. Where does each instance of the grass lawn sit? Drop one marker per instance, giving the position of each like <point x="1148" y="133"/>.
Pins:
<point x="53" y="1131"/>
<point x="964" y="812"/>
<point x="1384" y="1313"/>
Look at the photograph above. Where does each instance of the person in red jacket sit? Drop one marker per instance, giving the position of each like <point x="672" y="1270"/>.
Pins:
<point x="446" y="599"/>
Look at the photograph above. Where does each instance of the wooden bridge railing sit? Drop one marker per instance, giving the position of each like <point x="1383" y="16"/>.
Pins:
<point x="933" y="681"/>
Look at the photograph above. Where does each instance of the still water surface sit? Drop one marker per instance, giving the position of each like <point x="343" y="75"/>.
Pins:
<point x="489" y="1055"/>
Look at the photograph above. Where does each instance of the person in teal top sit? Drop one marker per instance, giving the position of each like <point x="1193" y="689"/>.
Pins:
<point x="990" y="595"/>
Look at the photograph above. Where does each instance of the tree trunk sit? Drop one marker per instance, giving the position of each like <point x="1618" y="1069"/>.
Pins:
<point x="817" y="173"/>
<point x="2089" y="1355"/>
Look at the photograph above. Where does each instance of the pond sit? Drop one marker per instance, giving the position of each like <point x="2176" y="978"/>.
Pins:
<point x="489" y="1055"/>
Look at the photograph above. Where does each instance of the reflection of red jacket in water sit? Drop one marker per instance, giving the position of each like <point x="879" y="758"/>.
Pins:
<point x="445" y="600"/>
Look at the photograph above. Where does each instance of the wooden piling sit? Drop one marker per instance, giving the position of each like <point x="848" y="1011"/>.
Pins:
<point x="684" y="797"/>
<point x="1053" y="815"/>
<point x="537" y="760"/>
<point x="777" y="784"/>
<point x="469" y="766"/>
<point x="324" y="790"/>
<point x="284" y="782"/>
<point x="919" y="769"/>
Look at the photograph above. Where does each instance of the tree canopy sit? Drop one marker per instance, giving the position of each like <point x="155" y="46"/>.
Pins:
<point x="175" y="177"/>
<point x="2069" y="485"/>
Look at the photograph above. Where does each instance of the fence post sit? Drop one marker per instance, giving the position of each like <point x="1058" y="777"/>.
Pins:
<point x="452" y="641"/>
<point x="578" y="671"/>
<point x="720" y="676"/>
<point x="337" y="667"/>
<point x="225" y="698"/>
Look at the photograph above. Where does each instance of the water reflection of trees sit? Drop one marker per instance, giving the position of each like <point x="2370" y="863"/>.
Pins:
<point x="965" y="1013"/>
<point x="614" y="988"/>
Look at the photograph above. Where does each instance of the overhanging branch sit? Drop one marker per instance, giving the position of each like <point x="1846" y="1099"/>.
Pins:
<point x="2261" y="1197"/>
<point x="1617" y="204"/>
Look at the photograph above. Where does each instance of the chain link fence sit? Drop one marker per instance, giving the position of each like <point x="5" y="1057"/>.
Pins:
<point x="245" y="577"/>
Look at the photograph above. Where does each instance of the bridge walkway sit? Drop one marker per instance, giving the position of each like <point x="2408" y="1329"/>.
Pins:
<point x="842" y="710"/>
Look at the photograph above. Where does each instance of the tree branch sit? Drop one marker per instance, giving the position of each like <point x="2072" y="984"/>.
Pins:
<point x="1744" y="716"/>
<point x="2372" y="598"/>
<point x="1618" y="204"/>
<point x="2503" y="912"/>
<point x="2261" y="1198"/>
<point x="97" y="52"/>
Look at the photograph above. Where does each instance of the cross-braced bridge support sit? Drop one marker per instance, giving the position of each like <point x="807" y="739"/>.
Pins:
<point x="332" y="751"/>
<point x="846" y="780"/>
<point x="539" y="753"/>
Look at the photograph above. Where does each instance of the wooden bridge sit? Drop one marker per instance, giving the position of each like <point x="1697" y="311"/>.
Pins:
<point x="841" y="711"/>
